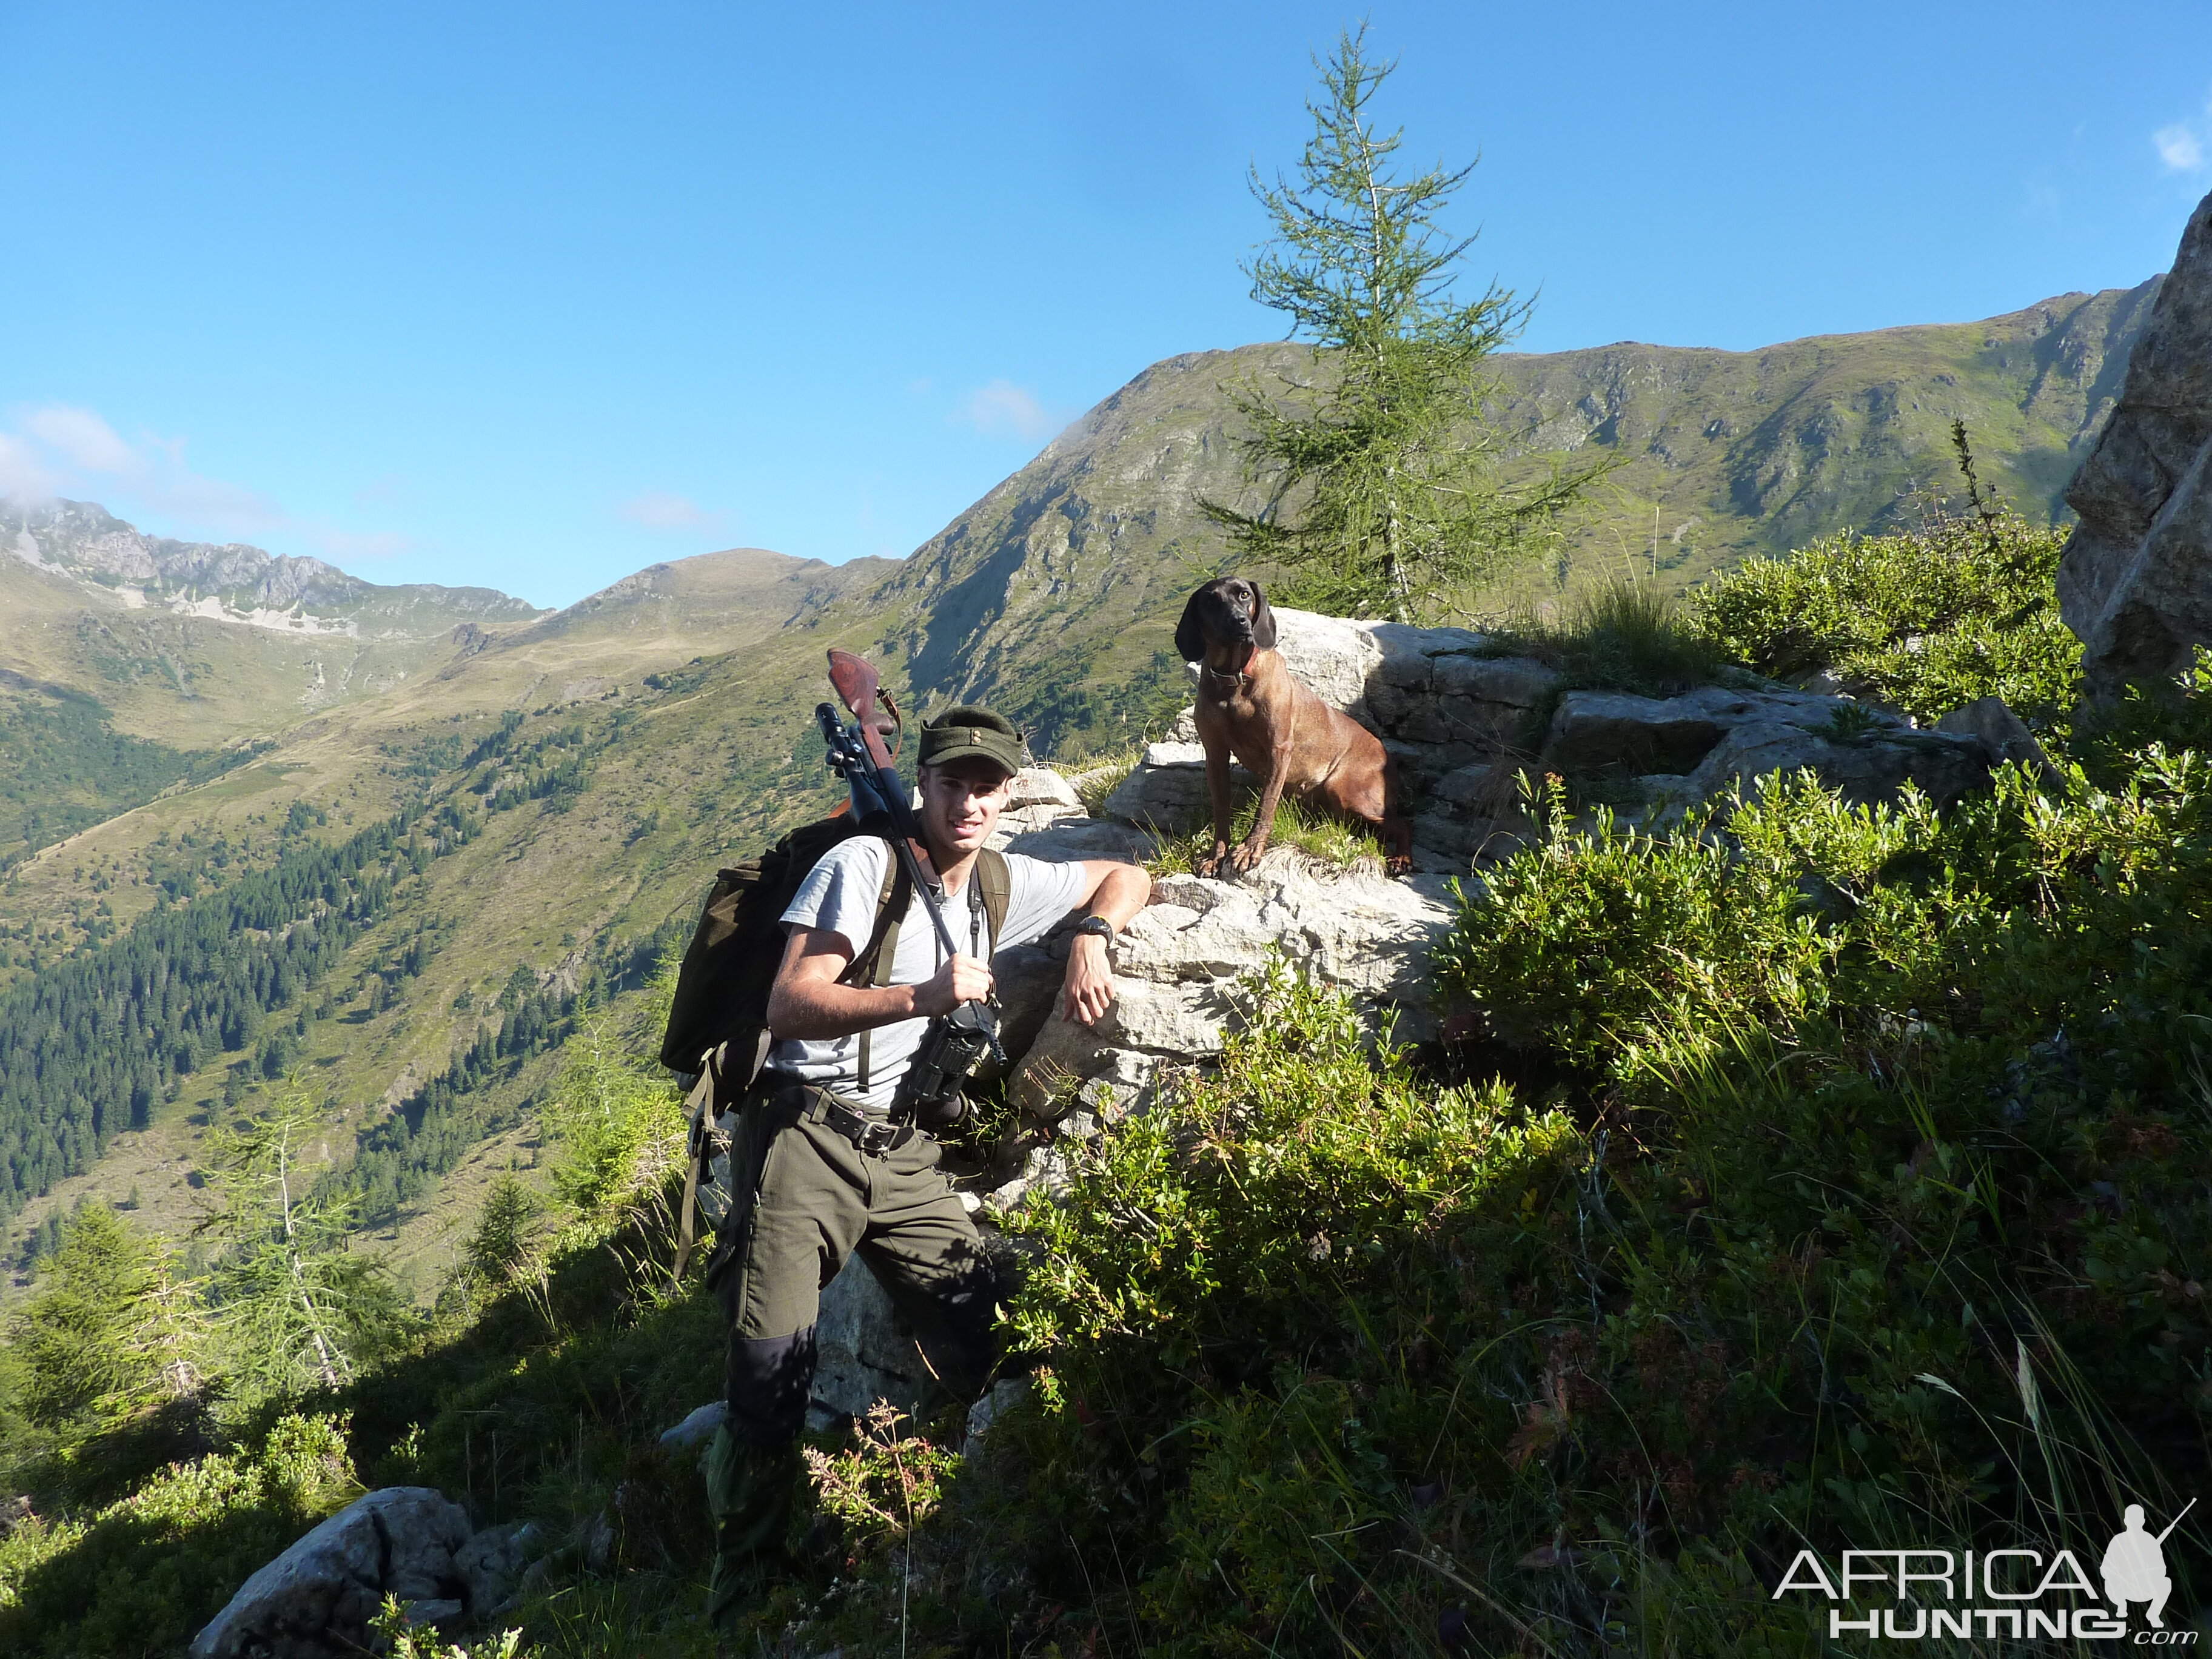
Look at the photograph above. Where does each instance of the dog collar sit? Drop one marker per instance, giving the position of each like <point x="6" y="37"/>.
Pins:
<point x="1224" y="684"/>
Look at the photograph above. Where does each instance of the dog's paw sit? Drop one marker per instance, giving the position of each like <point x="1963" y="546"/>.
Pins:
<point x="1246" y="856"/>
<point x="1211" y="864"/>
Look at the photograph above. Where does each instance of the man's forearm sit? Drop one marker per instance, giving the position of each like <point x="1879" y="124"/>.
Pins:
<point x="821" y="1014"/>
<point x="1124" y="891"/>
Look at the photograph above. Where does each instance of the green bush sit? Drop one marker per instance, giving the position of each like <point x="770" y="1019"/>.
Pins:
<point x="1927" y="620"/>
<point x="141" y="1575"/>
<point x="1837" y="1181"/>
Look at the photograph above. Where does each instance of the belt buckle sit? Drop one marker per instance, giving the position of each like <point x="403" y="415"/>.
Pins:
<point x="877" y="1137"/>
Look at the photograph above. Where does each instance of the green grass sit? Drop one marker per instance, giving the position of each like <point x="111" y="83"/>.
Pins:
<point x="1328" y="841"/>
<point x="1621" y="636"/>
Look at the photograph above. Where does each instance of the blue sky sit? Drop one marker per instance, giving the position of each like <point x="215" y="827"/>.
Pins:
<point x="533" y="295"/>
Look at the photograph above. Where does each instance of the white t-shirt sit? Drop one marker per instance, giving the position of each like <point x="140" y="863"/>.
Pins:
<point x="840" y="894"/>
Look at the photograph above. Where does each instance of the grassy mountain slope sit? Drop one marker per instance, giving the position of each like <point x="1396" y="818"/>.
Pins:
<point x="628" y="765"/>
<point x="659" y="724"/>
<point x="1759" y="452"/>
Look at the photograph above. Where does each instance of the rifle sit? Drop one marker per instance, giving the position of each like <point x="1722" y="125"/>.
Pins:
<point x="860" y="755"/>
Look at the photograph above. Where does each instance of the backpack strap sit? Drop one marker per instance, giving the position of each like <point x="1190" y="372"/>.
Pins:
<point x="701" y="1102"/>
<point x="874" y="964"/>
<point x="996" y="879"/>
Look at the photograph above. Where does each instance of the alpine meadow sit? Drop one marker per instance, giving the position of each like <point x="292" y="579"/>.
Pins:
<point x="1799" y="1163"/>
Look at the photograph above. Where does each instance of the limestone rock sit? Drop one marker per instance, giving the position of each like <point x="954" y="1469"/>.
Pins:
<point x="2135" y="582"/>
<point x="1167" y="791"/>
<point x="866" y="1351"/>
<point x="2002" y="733"/>
<point x="1037" y="798"/>
<point x="1332" y="656"/>
<point x="1177" y="964"/>
<point x="314" y="1601"/>
<point x="1944" y="766"/>
<point x="492" y="1564"/>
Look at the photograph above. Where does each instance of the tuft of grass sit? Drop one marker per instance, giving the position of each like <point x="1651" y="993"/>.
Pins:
<point x="1101" y="776"/>
<point x="1322" y="836"/>
<point x="1621" y="636"/>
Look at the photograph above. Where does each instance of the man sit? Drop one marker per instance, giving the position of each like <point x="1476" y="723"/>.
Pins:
<point x="2134" y="1569"/>
<point x="826" y="1161"/>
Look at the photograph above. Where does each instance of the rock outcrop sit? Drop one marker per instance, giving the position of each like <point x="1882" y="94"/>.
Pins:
<point x="2135" y="580"/>
<point x="1462" y="720"/>
<point x="314" y="1601"/>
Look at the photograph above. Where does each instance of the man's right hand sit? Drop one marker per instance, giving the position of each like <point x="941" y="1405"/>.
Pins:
<point x="962" y="979"/>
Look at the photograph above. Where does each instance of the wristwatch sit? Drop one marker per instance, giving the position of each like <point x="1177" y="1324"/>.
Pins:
<point x="1096" y="927"/>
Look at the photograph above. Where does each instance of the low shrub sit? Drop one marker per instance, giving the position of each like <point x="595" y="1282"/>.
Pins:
<point x="1927" y="620"/>
<point x="141" y="1575"/>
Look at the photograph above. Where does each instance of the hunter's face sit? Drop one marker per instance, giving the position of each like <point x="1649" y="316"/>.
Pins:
<point x="960" y="803"/>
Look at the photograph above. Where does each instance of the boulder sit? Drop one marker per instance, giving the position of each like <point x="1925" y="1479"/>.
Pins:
<point x="2002" y="733"/>
<point x="1177" y="964"/>
<point x="1864" y="769"/>
<point x="1333" y="656"/>
<point x="865" y="1351"/>
<point x="1037" y="798"/>
<point x="2135" y="581"/>
<point x="314" y="1601"/>
<point x="1166" y="791"/>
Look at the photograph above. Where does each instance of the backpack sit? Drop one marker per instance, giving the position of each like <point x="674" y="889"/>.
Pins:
<point x="717" y="1030"/>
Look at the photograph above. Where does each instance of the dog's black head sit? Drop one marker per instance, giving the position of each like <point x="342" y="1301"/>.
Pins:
<point x="1232" y="611"/>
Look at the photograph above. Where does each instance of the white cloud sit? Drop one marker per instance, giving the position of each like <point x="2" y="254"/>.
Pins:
<point x="60" y="450"/>
<point x="81" y="439"/>
<point x="2179" y="147"/>
<point x="57" y="450"/>
<point x="2185" y="145"/>
<point x="23" y="475"/>
<point x="657" y="509"/>
<point x="1003" y="409"/>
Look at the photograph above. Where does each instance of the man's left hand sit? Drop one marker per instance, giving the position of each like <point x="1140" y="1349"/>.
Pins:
<point x="1089" y="987"/>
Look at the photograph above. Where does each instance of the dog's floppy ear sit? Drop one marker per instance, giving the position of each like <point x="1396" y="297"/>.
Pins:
<point x="1190" y="632"/>
<point x="1263" y="620"/>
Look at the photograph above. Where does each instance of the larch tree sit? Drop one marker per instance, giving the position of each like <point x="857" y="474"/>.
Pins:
<point x="1378" y="467"/>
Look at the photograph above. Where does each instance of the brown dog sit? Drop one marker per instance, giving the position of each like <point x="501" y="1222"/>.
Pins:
<point x="1250" y="706"/>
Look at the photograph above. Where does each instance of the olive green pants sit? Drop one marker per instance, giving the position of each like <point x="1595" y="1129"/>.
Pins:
<point x="807" y="1199"/>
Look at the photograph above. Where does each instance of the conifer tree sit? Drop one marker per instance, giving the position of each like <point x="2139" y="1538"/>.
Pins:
<point x="104" y="1333"/>
<point x="1379" y="469"/>
<point x="294" y="1305"/>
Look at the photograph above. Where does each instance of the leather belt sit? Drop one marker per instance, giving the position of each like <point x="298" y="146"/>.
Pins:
<point x="874" y="1136"/>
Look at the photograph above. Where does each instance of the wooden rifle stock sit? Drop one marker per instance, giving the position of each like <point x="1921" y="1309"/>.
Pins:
<point x="859" y="688"/>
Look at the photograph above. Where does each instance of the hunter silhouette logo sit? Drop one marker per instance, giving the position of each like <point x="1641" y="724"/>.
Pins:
<point x="2019" y="1592"/>
<point x="2135" y="1567"/>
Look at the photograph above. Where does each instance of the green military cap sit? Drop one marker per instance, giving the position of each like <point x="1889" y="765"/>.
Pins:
<point x="967" y="732"/>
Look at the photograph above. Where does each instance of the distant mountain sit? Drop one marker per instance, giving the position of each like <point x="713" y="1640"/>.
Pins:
<point x="1760" y="452"/>
<point x="230" y="581"/>
<point x="197" y="645"/>
<point x="1055" y="594"/>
